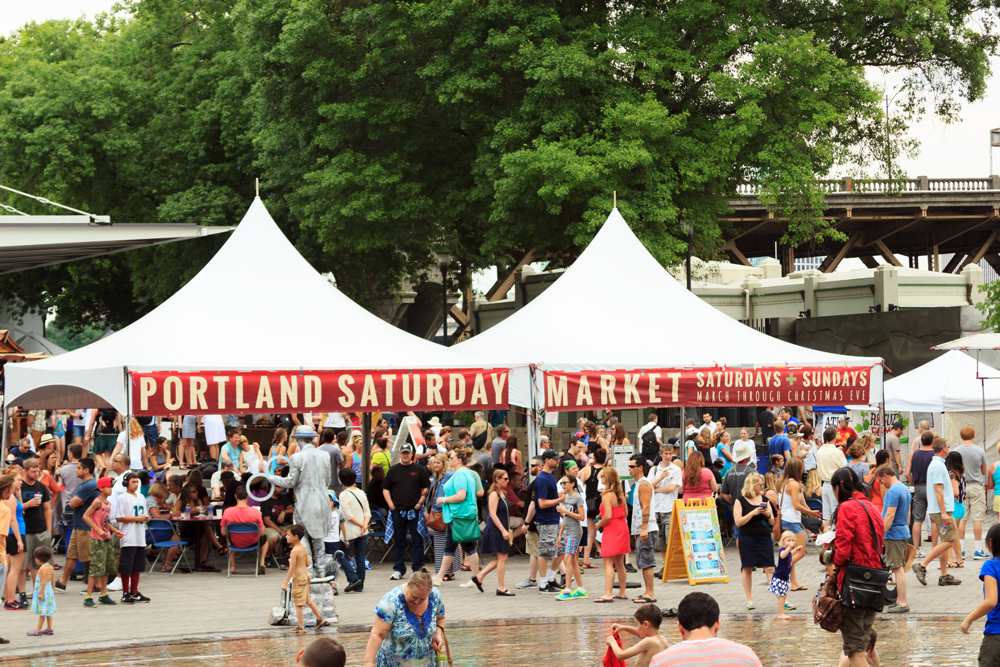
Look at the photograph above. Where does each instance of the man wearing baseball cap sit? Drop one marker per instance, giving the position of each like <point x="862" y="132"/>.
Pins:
<point x="405" y="488"/>
<point x="547" y="497"/>
<point x="668" y="481"/>
<point x="744" y="454"/>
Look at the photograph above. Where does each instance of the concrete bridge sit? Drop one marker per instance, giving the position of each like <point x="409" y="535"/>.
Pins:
<point x="912" y="217"/>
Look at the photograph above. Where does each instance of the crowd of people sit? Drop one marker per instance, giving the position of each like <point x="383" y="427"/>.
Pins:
<point x="470" y="492"/>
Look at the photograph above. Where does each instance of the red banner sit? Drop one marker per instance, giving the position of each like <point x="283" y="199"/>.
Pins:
<point x="220" y="392"/>
<point x="672" y="387"/>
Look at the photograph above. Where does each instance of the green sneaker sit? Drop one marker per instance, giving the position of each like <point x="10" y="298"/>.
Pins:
<point x="566" y="595"/>
<point x="579" y="593"/>
<point x="104" y="599"/>
<point x="89" y="602"/>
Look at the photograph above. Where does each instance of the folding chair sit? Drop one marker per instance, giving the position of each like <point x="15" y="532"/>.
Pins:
<point x="162" y="532"/>
<point x="243" y="529"/>
<point x="376" y="532"/>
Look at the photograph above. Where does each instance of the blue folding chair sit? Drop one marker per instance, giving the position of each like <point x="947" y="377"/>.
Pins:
<point x="376" y="532"/>
<point x="161" y="534"/>
<point x="243" y="529"/>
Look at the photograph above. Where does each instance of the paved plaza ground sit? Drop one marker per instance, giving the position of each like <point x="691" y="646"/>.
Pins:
<point x="207" y="605"/>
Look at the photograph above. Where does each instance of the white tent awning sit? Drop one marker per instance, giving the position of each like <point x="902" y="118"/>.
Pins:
<point x="32" y="241"/>
<point x="214" y="323"/>
<point x="946" y="384"/>
<point x="980" y="341"/>
<point x="646" y="320"/>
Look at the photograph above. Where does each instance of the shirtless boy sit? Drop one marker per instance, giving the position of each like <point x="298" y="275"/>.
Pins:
<point x="647" y="629"/>
<point x="301" y="584"/>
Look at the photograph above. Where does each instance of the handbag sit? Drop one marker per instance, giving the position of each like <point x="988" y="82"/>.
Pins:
<point x="435" y="520"/>
<point x="776" y="528"/>
<point x="864" y="587"/>
<point x="465" y="529"/>
<point x="828" y="609"/>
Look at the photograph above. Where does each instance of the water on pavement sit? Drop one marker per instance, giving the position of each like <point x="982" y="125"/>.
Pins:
<point x="914" y="641"/>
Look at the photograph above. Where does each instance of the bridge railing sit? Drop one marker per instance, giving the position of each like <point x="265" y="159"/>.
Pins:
<point x="891" y="186"/>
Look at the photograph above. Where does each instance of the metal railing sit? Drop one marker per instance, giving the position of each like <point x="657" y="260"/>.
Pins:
<point x="891" y="186"/>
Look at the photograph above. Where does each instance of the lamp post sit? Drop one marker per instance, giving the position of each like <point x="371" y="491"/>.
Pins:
<point x="444" y="261"/>
<point x="690" y="240"/>
<point x="994" y="143"/>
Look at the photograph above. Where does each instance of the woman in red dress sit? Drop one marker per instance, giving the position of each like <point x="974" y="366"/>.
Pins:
<point x="615" y="541"/>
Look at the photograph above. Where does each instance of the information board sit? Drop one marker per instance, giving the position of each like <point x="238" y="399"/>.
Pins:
<point x="621" y="455"/>
<point x="694" y="547"/>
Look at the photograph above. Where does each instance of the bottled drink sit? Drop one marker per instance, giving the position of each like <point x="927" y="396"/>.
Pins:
<point x="187" y="513"/>
<point x="441" y="662"/>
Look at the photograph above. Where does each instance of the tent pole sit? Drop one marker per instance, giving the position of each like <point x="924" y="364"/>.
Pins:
<point x="982" y="383"/>
<point x="534" y="426"/>
<point x="3" y="436"/>
<point x="366" y="449"/>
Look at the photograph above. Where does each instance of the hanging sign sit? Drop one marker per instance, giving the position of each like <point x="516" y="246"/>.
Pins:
<point x="694" y="546"/>
<point x="588" y="390"/>
<point x="220" y="392"/>
<point x="621" y="455"/>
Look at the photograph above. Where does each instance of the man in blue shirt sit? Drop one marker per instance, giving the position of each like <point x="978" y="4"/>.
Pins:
<point x="547" y="497"/>
<point x="786" y="416"/>
<point x="779" y="444"/>
<point x="79" y="541"/>
<point x="940" y="504"/>
<point x="896" y="516"/>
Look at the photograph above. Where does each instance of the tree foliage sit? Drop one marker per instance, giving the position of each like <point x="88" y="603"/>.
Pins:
<point x="384" y="131"/>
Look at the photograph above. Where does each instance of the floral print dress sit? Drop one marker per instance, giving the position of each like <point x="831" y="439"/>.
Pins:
<point x="408" y="643"/>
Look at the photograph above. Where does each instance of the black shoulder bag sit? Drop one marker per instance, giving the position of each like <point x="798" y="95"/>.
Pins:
<point x="864" y="587"/>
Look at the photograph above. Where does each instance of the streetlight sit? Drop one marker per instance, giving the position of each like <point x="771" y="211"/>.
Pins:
<point x="690" y="240"/>
<point x="444" y="261"/>
<point x="994" y="142"/>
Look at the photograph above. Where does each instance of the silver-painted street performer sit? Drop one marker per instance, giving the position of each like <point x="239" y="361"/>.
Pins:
<point x="309" y="476"/>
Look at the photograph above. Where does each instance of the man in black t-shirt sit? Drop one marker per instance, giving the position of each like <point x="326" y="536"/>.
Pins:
<point x="405" y="488"/>
<point x="37" y="513"/>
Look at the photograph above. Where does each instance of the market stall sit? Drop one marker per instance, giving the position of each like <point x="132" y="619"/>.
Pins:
<point x="201" y="352"/>
<point x="650" y="342"/>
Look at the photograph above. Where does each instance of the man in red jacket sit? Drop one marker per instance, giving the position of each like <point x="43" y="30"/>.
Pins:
<point x="859" y="541"/>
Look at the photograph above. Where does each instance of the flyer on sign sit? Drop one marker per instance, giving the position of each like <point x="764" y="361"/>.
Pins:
<point x="702" y="541"/>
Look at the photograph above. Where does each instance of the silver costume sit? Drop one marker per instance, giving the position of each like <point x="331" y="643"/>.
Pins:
<point x="309" y="476"/>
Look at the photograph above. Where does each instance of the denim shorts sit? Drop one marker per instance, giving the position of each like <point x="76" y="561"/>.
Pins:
<point x="794" y="527"/>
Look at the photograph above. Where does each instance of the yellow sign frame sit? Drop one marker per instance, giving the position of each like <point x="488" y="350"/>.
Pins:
<point x="680" y="551"/>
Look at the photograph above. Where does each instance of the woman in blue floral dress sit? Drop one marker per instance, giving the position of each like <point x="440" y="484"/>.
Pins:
<point x="409" y="625"/>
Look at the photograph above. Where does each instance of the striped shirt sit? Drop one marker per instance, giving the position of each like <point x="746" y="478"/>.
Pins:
<point x="716" y="652"/>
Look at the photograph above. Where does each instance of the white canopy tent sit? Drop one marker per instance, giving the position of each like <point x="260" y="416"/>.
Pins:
<point x="954" y="382"/>
<point x="955" y="387"/>
<point x="654" y="322"/>
<point x="204" y="327"/>
<point x="980" y="341"/>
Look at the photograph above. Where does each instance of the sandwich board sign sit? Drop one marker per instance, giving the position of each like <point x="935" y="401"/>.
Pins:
<point x="694" y="547"/>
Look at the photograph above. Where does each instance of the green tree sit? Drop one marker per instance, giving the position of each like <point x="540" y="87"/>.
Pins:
<point x="140" y="119"/>
<point x="384" y="131"/>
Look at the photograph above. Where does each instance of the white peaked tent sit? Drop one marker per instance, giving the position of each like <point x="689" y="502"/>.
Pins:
<point x="954" y="382"/>
<point x="649" y="320"/>
<point x="207" y="325"/>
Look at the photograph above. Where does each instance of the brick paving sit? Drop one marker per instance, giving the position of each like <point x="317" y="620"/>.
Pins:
<point x="212" y="605"/>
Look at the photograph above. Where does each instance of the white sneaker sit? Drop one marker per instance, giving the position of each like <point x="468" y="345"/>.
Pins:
<point x="115" y="585"/>
<point x="468" y="584"/>
<point x="396" y="575"/>
<point x="436" y="581"/>
<point x="527" y="583"/>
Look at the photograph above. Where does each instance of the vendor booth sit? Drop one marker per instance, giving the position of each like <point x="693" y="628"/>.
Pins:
<point x="203" y="352"/>
<point x="616" y="330"/>
<point x="949" y="392"/>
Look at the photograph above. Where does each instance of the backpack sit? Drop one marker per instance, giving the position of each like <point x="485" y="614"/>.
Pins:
<point x="650" y="448"/>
